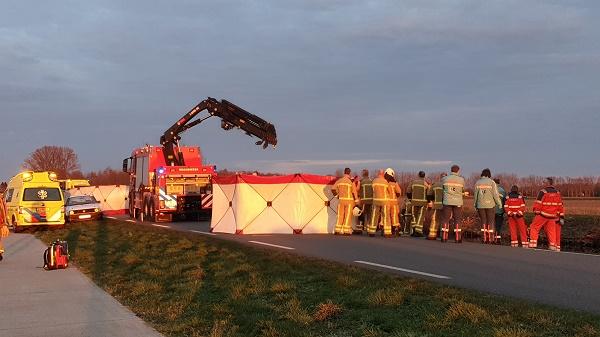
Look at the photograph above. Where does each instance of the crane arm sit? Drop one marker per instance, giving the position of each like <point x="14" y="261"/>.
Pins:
<point x="231" y="116"/>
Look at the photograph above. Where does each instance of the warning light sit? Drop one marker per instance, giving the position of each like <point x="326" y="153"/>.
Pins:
<point x="161" y="170"/>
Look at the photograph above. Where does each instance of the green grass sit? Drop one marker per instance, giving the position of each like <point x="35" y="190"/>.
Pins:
<point x="191" y="285"/>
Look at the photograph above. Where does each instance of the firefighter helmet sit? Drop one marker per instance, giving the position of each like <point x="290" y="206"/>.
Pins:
<point x="356" y="211"/>
<point x="389" y="171"/>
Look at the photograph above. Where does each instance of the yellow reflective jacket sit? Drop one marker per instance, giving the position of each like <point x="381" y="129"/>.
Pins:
<point x="346" y="190"/>
<point x="381" y="191"/>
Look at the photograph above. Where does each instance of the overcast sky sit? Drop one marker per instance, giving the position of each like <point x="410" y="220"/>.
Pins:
<point x="510" y="85"/>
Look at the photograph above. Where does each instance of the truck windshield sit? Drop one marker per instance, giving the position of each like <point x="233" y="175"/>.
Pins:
<point x="42" y="194"/>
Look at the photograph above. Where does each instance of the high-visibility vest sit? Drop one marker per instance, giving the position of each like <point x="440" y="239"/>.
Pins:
<point x="549" y="203"/>
<point x="438" y="195"/>
<point x="453" y="189"/>
<point x="366" y="190"/>
<point x="344" y="187"/>
<point x="486" y="193"/>
<point x="380" y="191"/>
<point x="514" y="205"/>
<point x="418" y="190"/>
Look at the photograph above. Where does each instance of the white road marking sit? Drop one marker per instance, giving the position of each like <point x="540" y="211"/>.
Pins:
<point x="272" y="245"/>
<point x="574" y="253"/>
<point x="111" y="217"/>
<point x="201" y="232"/>
<point x="157" y="225"/>
<point x="130" y="220"/>
<point x="404" y="270"/>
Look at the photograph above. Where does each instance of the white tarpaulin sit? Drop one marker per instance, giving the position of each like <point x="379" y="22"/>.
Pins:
<point x="247" y="204"/>
<point x="113" y="199"/>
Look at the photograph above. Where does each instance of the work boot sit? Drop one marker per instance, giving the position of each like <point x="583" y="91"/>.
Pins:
<point x="371" y="235"/>
<point x="357" y="232"/>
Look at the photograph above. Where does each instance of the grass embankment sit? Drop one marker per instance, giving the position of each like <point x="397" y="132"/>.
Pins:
<point x="191" y="285"/>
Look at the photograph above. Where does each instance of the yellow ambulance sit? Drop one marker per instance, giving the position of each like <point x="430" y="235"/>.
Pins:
<point x="68" y="184"/>
<point x="33" y="199"/>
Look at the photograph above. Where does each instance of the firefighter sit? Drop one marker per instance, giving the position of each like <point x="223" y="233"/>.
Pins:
<point x="417" y="193"/>
<point x="515" y="210"/>
<point x="394" y="202"/>
<point x="435" y="195"/>
<point x="346" y="192"/>
<point x="486" y="200"/>
<point x="454" y="186"/>
<point x="380" y="205"/>
<point x="366" y="201"/>
<point x="500" y="211"/>
<point x="550" y="214"/>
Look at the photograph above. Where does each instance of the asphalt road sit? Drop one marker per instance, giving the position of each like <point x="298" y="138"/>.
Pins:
<point x="568" y="280"/>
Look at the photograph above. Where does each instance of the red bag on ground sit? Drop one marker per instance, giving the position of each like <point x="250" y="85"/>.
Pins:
<point x="57" y="255"/>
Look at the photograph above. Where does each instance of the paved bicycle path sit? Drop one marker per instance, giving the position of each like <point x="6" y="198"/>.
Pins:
<point x="35" y="302"/>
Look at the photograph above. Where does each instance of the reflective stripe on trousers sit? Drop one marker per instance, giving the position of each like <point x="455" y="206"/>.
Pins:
<point x="418" y="218"/>
<point x="380" y="212"/>
<point x="344" y="218"/>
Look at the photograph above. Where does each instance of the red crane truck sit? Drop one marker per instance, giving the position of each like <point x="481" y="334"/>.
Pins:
<point x="169" y="180"/>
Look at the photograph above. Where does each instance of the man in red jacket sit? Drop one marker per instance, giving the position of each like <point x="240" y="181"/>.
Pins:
<point x="514" y="207"/>
<point x="550" y="214"/>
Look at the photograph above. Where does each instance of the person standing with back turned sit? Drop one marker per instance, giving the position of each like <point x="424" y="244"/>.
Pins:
<point x="550" y="214"/>
<point x="454" y="186"/>
<point x="486" y="200"/>
<point x="417" y="193"/>
<point x="346" y="192"/>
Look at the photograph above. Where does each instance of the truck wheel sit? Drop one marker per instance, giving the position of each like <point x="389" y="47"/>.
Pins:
<point x="131" y="209"/>
<point x="152" y="215"/>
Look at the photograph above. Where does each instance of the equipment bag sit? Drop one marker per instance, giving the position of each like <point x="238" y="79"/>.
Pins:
<point x="57" y="255"/>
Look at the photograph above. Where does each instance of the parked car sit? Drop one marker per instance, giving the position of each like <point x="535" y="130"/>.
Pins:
<point x="82" y="208"/>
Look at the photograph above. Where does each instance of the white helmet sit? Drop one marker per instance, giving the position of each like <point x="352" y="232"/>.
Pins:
<point x="356" y="211"/>
<point x="390" y="172"/>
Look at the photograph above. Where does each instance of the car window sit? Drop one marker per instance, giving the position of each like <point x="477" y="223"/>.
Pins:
<point x="81" y="200"/>
<point x="42" y="194"/>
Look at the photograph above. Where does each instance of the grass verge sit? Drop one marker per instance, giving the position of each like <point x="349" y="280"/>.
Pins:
<point x="191" y="285"/>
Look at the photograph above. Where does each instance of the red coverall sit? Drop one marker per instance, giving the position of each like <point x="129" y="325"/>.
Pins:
<point x="515" y="208"/>
<point x="549" y="212"/>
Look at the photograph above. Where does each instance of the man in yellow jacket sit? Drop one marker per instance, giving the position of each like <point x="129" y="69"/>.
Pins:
<point x="380" y="205"/>
<point x="347" y="194"/>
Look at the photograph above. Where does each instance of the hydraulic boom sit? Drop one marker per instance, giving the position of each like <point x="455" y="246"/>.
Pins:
<point x="232" y="116"/>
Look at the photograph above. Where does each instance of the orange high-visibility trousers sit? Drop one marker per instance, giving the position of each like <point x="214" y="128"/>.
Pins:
<point x="518" y="229"/>
<point x="549" y="226"/>
<point x="557" y="230"/>
<point x="343" y="224"/>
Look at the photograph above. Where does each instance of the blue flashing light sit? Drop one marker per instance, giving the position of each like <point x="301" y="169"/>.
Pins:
<point x="161" y="170"/>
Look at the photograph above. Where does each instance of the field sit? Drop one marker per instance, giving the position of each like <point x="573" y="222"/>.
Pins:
<point x="191" y="285"/>
<point x="573" y="206"/>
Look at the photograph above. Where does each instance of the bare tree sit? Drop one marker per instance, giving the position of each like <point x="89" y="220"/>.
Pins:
<point x="60" y="159"/>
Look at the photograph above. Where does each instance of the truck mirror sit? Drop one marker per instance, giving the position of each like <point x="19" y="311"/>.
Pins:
<point x="126" y="164"/>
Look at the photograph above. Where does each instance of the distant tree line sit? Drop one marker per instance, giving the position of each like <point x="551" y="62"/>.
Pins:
<point x="64" y="161"/>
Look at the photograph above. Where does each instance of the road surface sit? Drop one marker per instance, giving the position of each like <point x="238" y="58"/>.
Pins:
<point x="568" y="280"/>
